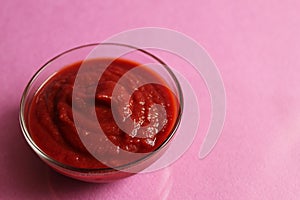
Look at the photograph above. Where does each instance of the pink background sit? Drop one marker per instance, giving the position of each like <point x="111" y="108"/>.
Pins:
<point x="256" y="46"/>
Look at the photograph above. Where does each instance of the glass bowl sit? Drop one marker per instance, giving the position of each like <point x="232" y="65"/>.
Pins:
<point x="80" y="53"/>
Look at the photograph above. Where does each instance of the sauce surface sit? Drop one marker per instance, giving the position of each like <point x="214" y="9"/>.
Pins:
<point x="51" y="122"/>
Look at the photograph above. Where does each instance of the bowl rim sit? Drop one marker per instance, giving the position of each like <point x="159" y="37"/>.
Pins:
<point x="44" y="155"/>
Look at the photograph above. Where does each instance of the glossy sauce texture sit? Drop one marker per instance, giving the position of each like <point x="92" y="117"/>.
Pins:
<point x="51" y="122"/>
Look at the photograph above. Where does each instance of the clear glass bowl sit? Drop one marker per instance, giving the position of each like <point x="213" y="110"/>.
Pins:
<point x="81" y="53"/>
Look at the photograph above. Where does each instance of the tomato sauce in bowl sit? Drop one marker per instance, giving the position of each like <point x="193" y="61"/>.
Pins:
<point x="74" y="149"/>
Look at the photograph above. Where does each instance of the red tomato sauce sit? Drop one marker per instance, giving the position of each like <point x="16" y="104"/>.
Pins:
<point x="51" y="122"/>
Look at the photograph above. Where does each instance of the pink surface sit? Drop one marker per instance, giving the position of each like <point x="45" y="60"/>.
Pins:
<point x="256" y="47"/>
